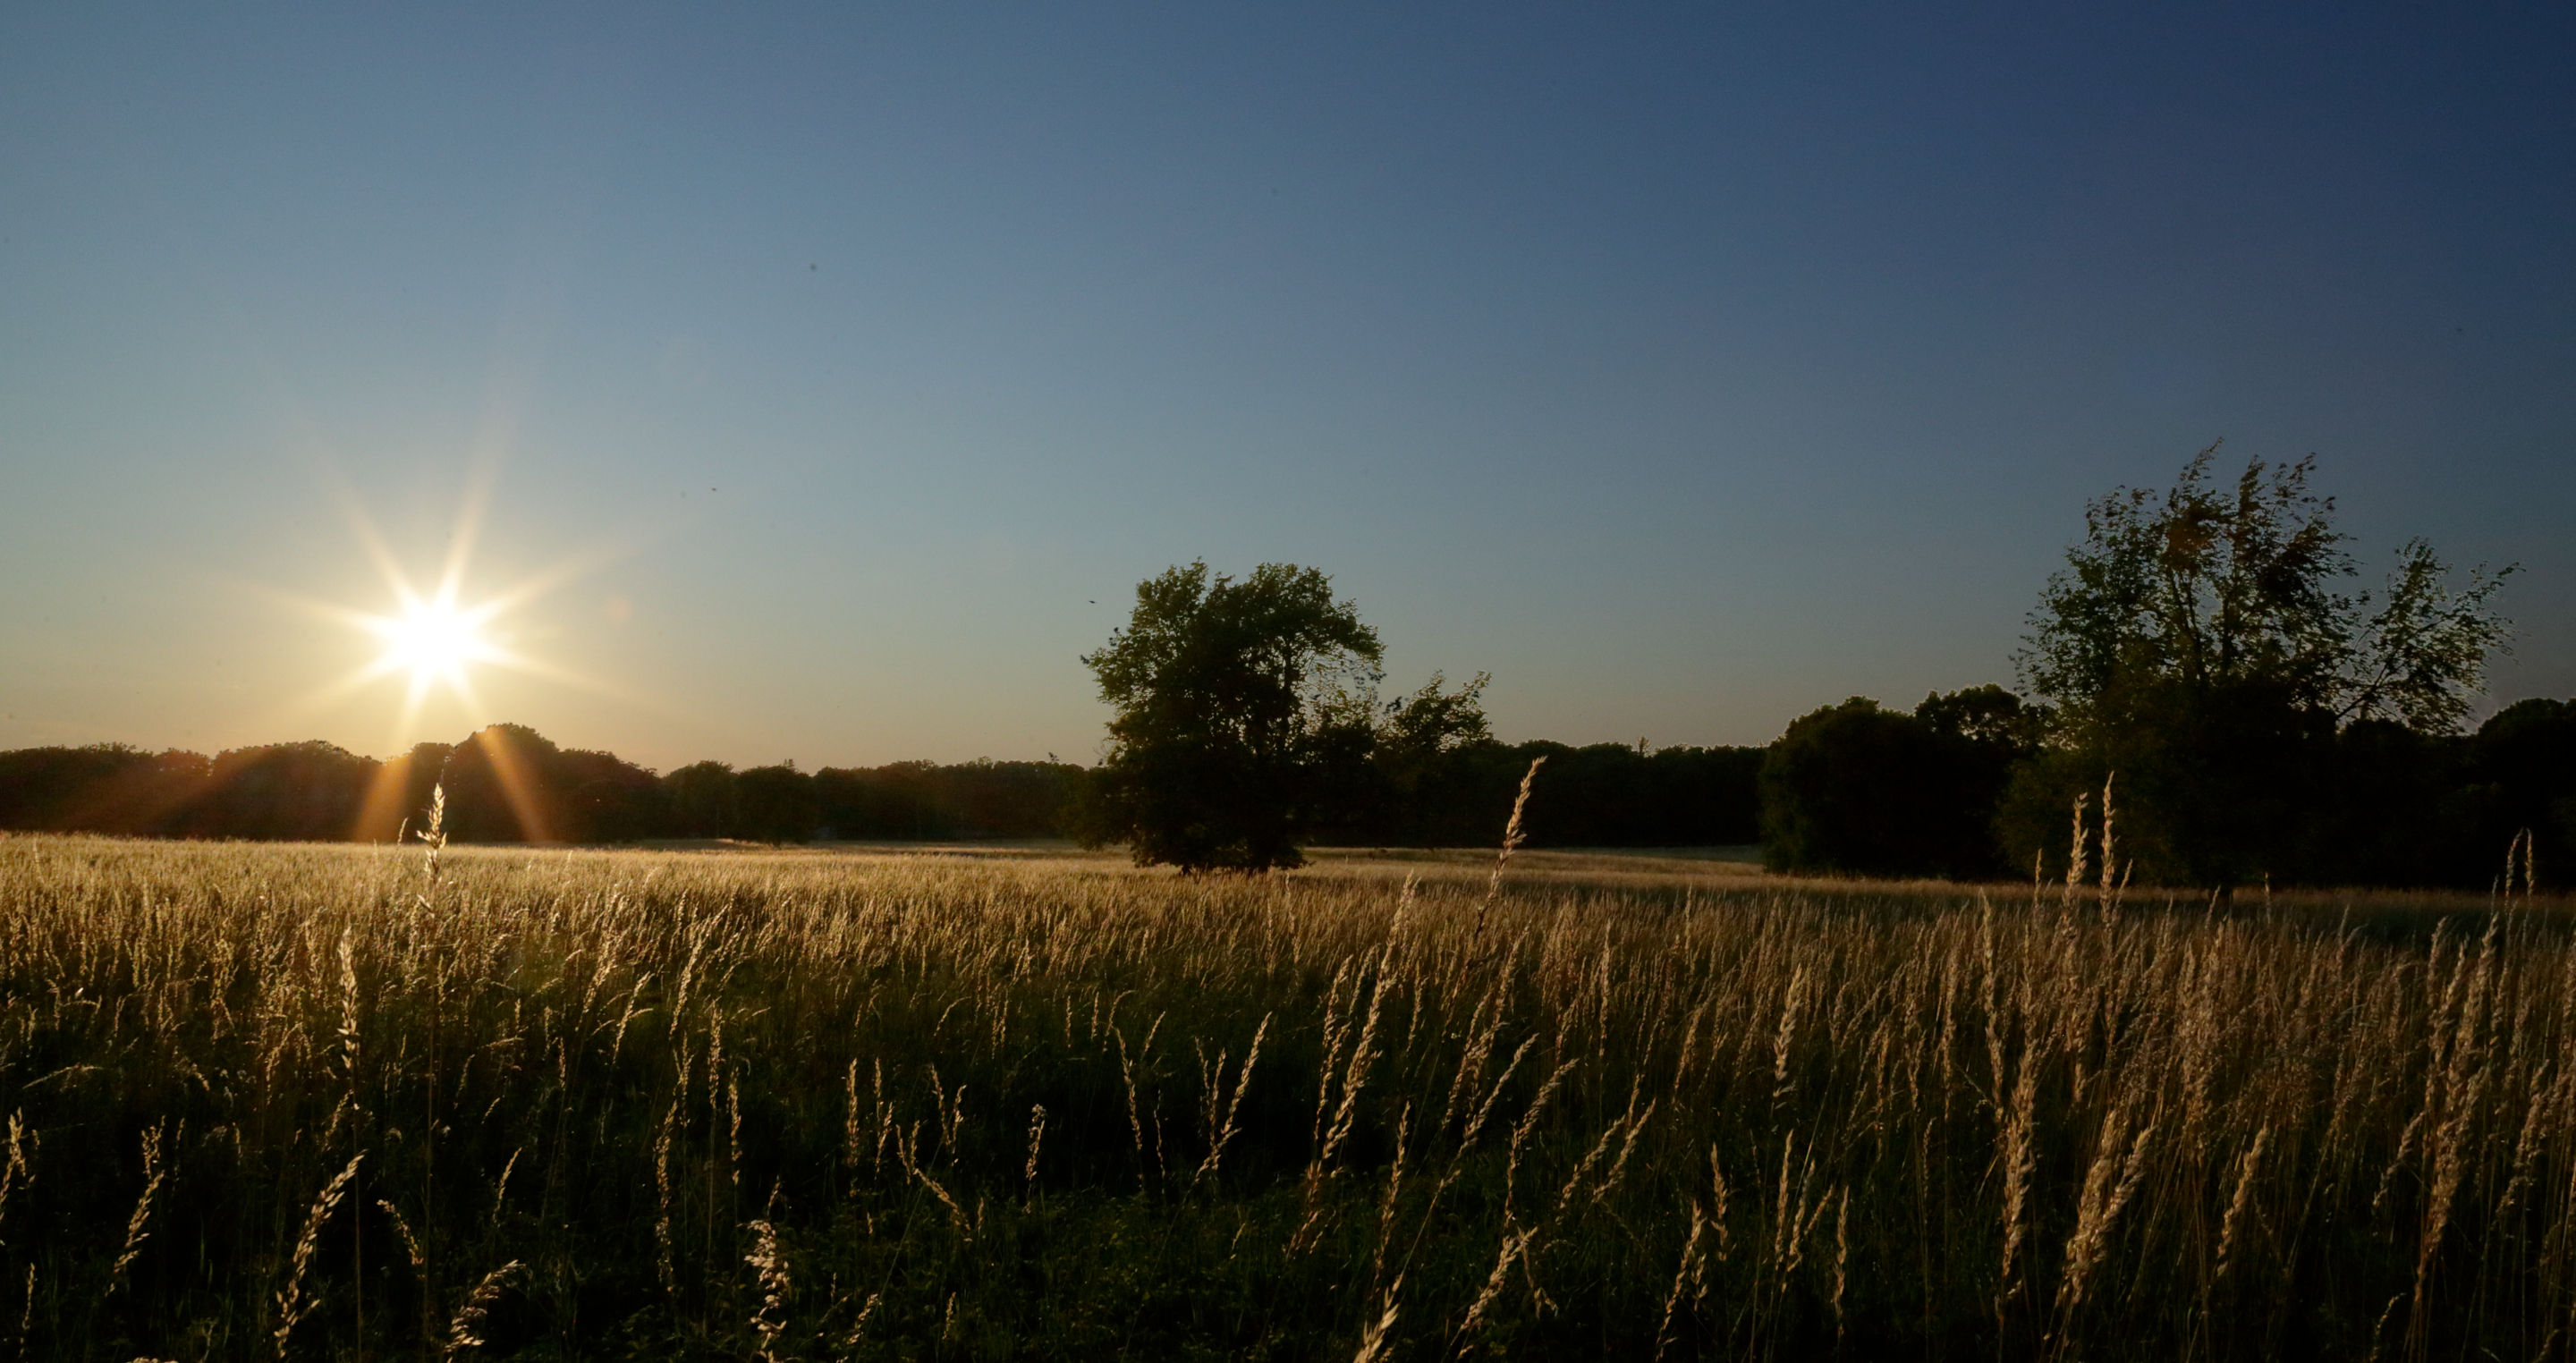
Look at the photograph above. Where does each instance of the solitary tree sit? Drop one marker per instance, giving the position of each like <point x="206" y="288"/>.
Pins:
<point x="2202" y="644"/>
<point x="1243" y="712"/>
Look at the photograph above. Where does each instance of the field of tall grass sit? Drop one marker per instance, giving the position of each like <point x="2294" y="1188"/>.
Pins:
<point x="336" y="1102"/>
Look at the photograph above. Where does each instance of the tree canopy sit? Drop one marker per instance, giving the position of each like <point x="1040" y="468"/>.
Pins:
<point x="2212" y="588"/>
<point x="2205" y="644"/>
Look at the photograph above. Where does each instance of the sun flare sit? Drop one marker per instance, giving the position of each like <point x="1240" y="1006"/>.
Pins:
<point x="431" y="638"/>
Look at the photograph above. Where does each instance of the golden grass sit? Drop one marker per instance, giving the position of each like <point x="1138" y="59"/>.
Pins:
<point x="309" y="1101"/>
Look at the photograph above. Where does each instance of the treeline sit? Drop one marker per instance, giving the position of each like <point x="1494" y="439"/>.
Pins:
<point x="1603" y="795"/>
<point x="509" y="783"/>
<point x="1968" y="785"/>
<point x="1965" y="786"/>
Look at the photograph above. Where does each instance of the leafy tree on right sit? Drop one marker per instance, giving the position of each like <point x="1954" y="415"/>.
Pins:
<point x="2203" y="645"/>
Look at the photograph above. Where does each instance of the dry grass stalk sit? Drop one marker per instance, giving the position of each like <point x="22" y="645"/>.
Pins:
<point x="15" y="1173"/>
<point x="1476" y="1120"/>
<point x="1037" y="1137"/>
<point x="1483" y="1025"/>
<point x="2077" y="852"/>
<point x="1355" y="1077"/>
<point x="1135" y="1121"/>
<point x="501" y="1188"/>
<point x="1394" y="1190"/>
<point x="2240" y="1201"/>
<point x="434" y="837"/>
<point x="1512" y="839"/>
<point x="465" y="1329"/>
<point x="135" y="1232"/>
<point x="1516" y="1243"/>
<point x="1786" y="1034"/>
<point x="1717" y="1217"/>
<point x="419" y="1265"/>
<point x="349" y="1004"/>
<point x="859" y="1325"/>
<point x="1793" y="1219"/>
<point x="292" y="1304"/>
<point x="770" y="1263"/>
<point x="1528" y="1124"/>
<point x="1688" y="1275"/>
<point x="2017" y="1158"/>
<point x="905" y="1140"/>
<point x="1223" y="1133"/>
<point x="1373" y="1339"/>
<point x="2110" y="852"/>
<point x="665" y="1258"/>
<point x="1842" y="1256"/>
<point x="2109" y="1183"/>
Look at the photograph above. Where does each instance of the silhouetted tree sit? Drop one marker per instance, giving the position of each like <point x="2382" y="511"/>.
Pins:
<point x="703" y="801"/>
<point x="308" y="792"/>
<point x="103" y="788"/>
<point x="776" y="803"/>
<point x="500" y="788"/>
<point x="1855" y="788"/>
<point x="1238" y="709"/>
<point x="2395" y="807"/>
<point x="600" y="797"/>
<point x="398" y="793"/>
<point x="897" y="800"/>
<point x="2525" y="759"/>
<point x="917" y="800"/>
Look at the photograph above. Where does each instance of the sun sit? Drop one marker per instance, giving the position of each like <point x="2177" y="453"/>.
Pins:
<point x="434" y="640"/>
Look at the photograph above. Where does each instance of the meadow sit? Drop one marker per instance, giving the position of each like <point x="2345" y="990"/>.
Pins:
<point x="309" y="1101"/>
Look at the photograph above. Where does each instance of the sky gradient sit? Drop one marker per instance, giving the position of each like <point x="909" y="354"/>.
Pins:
<point x="839" y="371"/>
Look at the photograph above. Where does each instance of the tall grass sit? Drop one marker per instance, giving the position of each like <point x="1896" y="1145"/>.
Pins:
<point x="312" y="1102"/>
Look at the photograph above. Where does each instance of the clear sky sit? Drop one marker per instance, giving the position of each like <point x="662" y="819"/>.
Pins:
<point x="836" y="372"/>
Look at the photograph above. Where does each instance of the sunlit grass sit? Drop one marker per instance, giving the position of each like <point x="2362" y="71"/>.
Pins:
<point x="812" y="1105"/>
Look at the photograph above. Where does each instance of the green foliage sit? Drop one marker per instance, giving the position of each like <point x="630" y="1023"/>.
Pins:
<point x="2206" y="588"/>
<point x="1418" y="742"/>
<point x="1243" y="717"/>
<point x="2200" y="645"/>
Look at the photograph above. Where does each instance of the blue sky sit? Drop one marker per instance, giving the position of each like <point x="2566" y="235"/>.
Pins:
<point x="1686" y="367"/>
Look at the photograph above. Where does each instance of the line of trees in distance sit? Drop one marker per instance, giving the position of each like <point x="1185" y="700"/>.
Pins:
<point x="1960" y="786"/>
<point x="511" y="784"/>
<point x="1863" y="789"/>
